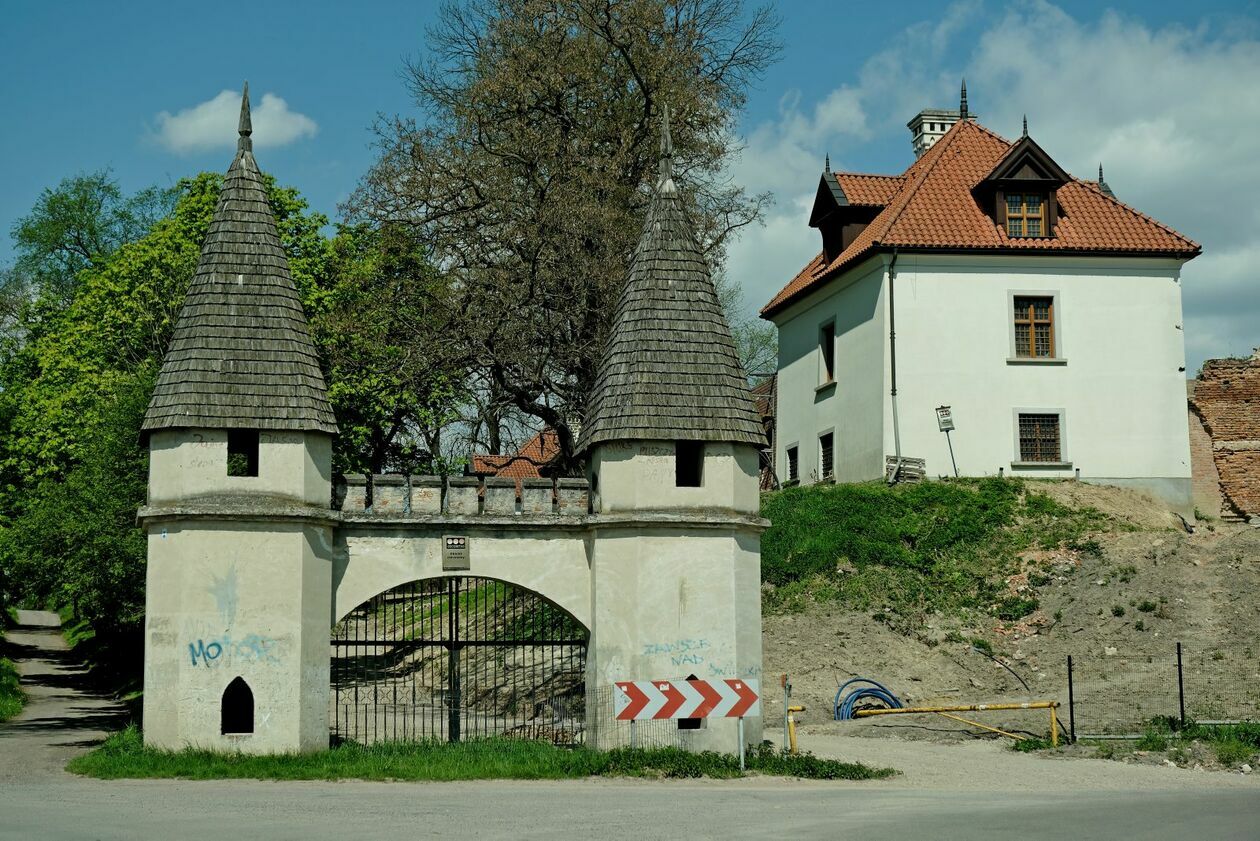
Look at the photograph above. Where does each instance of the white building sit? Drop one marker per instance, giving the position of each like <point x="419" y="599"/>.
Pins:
<point x="1044" y="313"/>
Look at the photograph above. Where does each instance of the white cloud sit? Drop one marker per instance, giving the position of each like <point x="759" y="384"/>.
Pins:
<point x="212" y="124"/>
<point x="1173" y="113"/>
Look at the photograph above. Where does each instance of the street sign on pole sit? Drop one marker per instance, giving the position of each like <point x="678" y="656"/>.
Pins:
<point x="641" y="700"/>
<point x="945" y="421"/>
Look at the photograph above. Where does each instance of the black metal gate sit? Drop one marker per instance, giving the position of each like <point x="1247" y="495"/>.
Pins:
<point x="458" y="657"/>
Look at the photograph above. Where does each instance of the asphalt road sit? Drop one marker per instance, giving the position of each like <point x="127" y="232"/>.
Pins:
<point x="81" y="809"/>
<point x="998" y="799"/>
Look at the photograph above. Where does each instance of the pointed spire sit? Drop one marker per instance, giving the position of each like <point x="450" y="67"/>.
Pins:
<point x="245" y="143"/>
<point x="962" y="104"/>
<point x="1102" y="184"/>
<point x="667" y="149"/>
<point x="241" y="355"/>
<point x="827" y="163"/>
<point x="1025" y="125"/>
<point x="670" y="371"/>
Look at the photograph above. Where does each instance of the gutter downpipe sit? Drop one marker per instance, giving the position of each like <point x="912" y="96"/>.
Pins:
<point x="892" y="358"/>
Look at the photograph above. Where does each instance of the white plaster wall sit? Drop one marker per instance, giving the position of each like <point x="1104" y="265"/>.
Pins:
<point x="552" y="563"/>
<point x="669" y="603"/>
<point x="641" y="475"/>
<point x="187" y="463"/>
<point x="852" y="408"/>
<point x="237" y="599"/>
<point x="1121" y="383"/>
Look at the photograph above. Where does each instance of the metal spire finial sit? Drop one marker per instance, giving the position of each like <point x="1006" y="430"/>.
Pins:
<point x="667" y="147"/>
<point x="1100" y="175"/>
<point x="1025" y="125"/>
<point x="246" y="127"/>
<point x="827" y="163"/>
<point x="962" y="105"/>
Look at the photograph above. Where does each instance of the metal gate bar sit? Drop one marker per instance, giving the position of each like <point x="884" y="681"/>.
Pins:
<point x="456" y="657"/>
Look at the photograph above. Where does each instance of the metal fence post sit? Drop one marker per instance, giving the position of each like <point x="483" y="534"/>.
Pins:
<point x="1071" y="703"/>
<point x="1181" y="688"/>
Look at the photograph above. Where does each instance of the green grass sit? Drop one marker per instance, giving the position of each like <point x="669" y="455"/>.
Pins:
<point x="910" y="550"/>
<point x="123" y="755"/>
<point x="12" y="698"/>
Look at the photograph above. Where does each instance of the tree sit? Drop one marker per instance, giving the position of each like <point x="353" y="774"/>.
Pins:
<point x="531" y="171"/>
<point x="379" y="321"/>
<point x="78" y="224"/>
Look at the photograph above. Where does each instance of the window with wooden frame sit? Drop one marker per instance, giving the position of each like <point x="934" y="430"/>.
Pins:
<point x="1026" y="215"/>
<point x="1034" y="326"/>
<point x="793" y="464"/>
<point x="1039" y="438"/>
<point x="826" y="455"/>
<point x="827" y="346"/>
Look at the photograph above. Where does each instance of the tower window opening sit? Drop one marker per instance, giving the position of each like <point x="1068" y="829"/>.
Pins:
<point x="236" y="714"/>
<point x="689" y="464"/>
<point x="242" y="457"/>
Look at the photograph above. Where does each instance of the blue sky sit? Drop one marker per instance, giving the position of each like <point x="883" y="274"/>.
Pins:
<point x="1164" y="93"/>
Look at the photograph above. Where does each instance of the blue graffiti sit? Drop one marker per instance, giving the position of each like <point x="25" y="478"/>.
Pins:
<point x="206" y="651"/>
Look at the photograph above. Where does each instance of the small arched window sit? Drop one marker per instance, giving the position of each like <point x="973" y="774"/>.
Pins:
<point x="237" y="711"/>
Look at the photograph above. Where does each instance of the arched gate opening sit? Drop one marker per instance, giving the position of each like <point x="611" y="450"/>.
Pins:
<point x="457" y="657"/>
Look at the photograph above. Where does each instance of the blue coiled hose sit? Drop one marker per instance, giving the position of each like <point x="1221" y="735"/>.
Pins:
<point x="842" y="709"/>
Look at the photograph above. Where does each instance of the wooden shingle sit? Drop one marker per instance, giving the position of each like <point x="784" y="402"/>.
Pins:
<point x="670" y="371"/>
<point x="241" y="354"/>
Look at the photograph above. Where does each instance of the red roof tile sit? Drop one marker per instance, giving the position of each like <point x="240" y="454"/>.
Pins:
<point x="525" y="463"/>
<point x="931" y="206"/>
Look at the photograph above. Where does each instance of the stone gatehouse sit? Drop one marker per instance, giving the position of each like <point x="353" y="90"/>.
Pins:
<point x="256" y="551"/>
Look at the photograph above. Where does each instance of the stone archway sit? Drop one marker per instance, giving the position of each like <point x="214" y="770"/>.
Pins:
<point x="455" y="657"/>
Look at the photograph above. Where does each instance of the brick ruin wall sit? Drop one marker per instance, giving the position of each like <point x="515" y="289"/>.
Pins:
<point x="1226" y="401"/>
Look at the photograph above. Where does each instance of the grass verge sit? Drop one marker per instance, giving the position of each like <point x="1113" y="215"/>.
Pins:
<point x="123" y="755"/>
<point x="12" y="698"/>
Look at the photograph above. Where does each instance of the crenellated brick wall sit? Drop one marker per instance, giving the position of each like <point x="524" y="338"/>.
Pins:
<point x="1226" y="400"/>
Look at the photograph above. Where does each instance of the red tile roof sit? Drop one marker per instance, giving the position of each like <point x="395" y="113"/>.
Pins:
<point x="525" y="463"/>
<point x="931" y="206"/>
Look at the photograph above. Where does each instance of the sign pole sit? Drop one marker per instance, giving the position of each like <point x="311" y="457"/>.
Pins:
<point x="634" y="742"/>
<point x="950" y="441"/>
<point x="787" y="691"/>
<point x="741" y="744"/>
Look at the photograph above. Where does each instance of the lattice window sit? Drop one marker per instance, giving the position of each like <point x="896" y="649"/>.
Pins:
<point x="1039" y="438"/>
<point x="1026" y="215"/>
<point x="793" y="464"/>
<point x="826" y="451"/>
<point x="827" y="345"/>
<point x="1034" y="326"/>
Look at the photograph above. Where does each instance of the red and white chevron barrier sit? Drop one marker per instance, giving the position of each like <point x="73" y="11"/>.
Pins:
<point x="642" y="700"/>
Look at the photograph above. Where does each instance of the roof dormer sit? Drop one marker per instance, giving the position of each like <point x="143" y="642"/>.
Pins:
<point x="1020" y="192"/>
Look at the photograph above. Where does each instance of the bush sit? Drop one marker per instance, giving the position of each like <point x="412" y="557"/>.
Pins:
<point x="1015" y="607"/>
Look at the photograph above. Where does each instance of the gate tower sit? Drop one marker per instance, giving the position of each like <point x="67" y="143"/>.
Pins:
<point x="673" y="442"/>
<point x="238" y="517"/>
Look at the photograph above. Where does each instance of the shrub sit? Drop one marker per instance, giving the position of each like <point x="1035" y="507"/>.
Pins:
<point x="1147" y="606"/>
<point x="1016" y="607"/>
<point x="1117" y="610"/>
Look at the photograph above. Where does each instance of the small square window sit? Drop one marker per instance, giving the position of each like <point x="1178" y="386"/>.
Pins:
<point x="826" y="455"/>
<point x="1026" y="215"/>
<point x="1039" y="438"/>
<point x="242" y="458"/>
<point x="689" y="464"/>
<point x="793" y="465"/>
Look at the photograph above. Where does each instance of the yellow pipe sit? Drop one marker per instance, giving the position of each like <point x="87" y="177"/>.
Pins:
<point x="1054" y="729"/>
<point x="791" y="722"/>
<point x="1032" y="705"/>
<point x="981" y="726"/>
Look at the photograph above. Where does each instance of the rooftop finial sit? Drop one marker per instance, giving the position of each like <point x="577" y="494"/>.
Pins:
<point x="245" y="128"/>
<point x="1100" y="176"/>
<point x="1102" y="184"/>
<point x="962" y="105"/>
<point x="667" y="147"/>
<point x="1025" y="125"/>
<point x="827" y="163"/>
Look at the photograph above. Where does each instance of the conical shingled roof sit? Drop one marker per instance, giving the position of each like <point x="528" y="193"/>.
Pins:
<point x="241" y="355"/>
<point x="670" y="371"/>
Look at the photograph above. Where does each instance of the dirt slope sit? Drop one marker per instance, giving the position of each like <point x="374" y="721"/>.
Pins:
<point x="1118" y="605"/>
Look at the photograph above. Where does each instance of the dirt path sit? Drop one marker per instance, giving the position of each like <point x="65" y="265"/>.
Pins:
<point x="64" y="715"/>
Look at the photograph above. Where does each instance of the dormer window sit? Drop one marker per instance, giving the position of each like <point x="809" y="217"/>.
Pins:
<point x="1026" y="215"/>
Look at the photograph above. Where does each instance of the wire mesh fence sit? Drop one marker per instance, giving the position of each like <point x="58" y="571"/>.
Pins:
<point x="1119" y="693"/>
